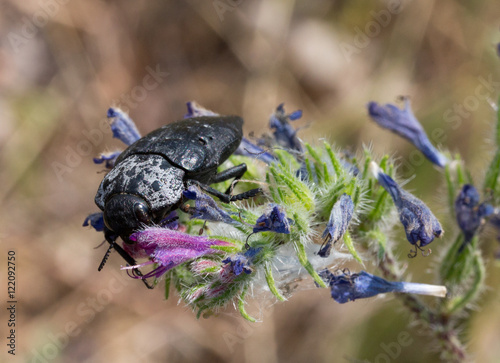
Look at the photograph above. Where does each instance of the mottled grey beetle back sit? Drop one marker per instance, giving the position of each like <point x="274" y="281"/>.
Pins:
<point x="197" y="145"/>
<point x="151" y="177"/>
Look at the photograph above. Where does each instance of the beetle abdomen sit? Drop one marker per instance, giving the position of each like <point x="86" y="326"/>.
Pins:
<point x="195" y="145"/>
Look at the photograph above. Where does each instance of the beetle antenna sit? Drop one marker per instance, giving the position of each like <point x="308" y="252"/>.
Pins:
<point x="125" y="256"/>
<point x="100" y="244"/>
<point x="105" y="258"/>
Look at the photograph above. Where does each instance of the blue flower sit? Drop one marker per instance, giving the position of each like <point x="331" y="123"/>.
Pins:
<point x="274" y="220"/>
<point x="96" y="220"/>
<point x="247" y="148"/>
<point x="303" y="174"/>
<point x="404" y="123"/>
<point x="108" y="158"/>
<point x="242" y="262"/>
<point x="340" y="217"/>
<point x="284" y="134"/>
<point x="470" y="214"/>
<point x="347" y="287"/>
<point x="123" y="127"/>
<point x="350" y="167"/>
<point x="196" y="110"/>
<point x="205" y="207"/>
<point x="419" y="222"/>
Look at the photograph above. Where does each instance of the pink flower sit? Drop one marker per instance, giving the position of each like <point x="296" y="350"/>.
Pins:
<point x="169" y="248"/>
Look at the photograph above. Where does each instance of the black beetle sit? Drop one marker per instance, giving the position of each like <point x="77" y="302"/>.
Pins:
<point x="149" y="177"/>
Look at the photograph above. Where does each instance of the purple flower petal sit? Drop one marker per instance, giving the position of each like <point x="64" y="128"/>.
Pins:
<point x="109" y="158"/>
<point x="404" y="123"/>
<point x="171" y="221"/>
<point x="470" y="214"/>
<point x="123" y="127"/>
<point x="96" y="220"/>
<point x="284" y="134"/>
<point x="242" y="262"/>
<point x="205" y="207"/>
<point x="419" y="222"/>
<point x="274" y="220"/>
<point x="247" y="148"/>
<point x="204" y="266"/>
<point x="170" y="248"/>
<point x="196" y="110"/>
<point x="340" y="217"/>
<point x="349" y="287"/>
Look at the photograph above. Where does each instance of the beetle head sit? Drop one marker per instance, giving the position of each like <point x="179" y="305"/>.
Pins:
<point x="126" y="213"/>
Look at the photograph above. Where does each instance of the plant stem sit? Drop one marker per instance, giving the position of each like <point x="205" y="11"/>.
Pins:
<point x="436" y="323"/>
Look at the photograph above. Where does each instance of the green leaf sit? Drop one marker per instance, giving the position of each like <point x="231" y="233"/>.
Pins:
<point x="381" y="240"/>
<point x="318" y="164"/>
<point x="451" y="189"/>
<point x="241" y="306"/>
<point x="286" y="159"/>
<point x="271" y="283"/>
<point x="308" y="168"/>
<point x="350" y="246"/>
<point x="302" y="256"/>
<point x="326" y="174"/>
<point x="491" y="178"/>
<point x="366" y="167"/>
<point x="380" y="207"/>
<point x="497" y="139"/>
<point x="329" y="197"/>
<point x="474" y="287"/>
<point x="168" y="279"/>
<point x="274" y="189"/>
<point x="384" y="164"/>
<point x="333" y="159"/>
<point x="299" y="191"/>
<point x="456" y="266"/>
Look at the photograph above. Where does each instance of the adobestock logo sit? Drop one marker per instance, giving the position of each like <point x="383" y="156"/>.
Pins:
<point x="223" y="6"/>
<point x="485" y="90"/>
<point x="392" y="351"/>
<point x="92" y="138"/>
<point x="32" y="25"/>
<point x="86" y="311"/>
<point x="372" y="29"/>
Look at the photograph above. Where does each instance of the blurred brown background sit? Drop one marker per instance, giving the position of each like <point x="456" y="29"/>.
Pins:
<point x="63" y="63"/>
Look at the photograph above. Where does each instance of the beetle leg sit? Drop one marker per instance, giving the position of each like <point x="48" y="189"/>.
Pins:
<point x="224" y="197"/>
<point x="125" y="256"/>
<point x="235" y="172"/>
<point x="131" y="262"/>
<point x="246" y="195"/>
